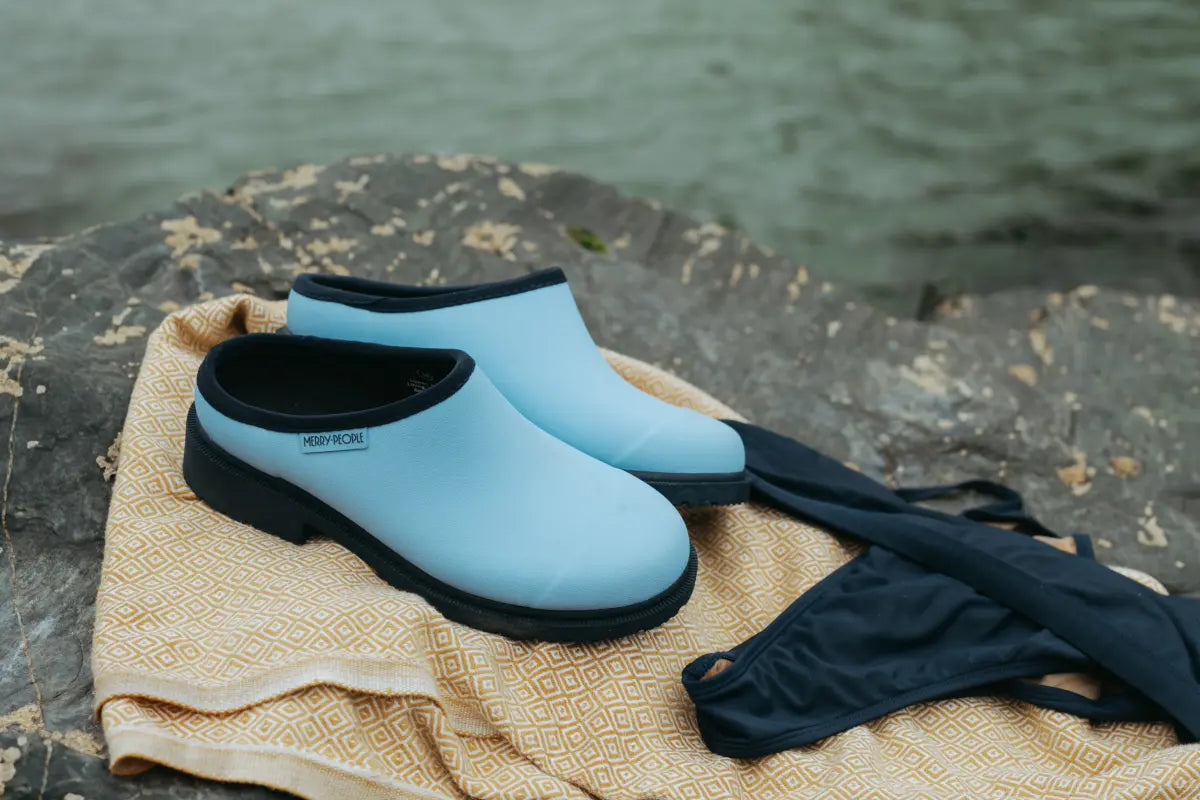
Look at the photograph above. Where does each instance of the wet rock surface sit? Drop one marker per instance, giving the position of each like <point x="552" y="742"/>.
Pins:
<point x="1087" y="401"/>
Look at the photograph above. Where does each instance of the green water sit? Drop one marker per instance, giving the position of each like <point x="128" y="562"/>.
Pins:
<point x="978" y="143"/>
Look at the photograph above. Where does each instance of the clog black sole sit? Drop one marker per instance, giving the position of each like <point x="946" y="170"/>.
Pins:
<point x="682" y="489"/>
<point x="236" y="489"/>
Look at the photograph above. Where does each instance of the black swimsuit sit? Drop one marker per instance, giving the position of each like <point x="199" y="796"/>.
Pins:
<point x="944" y="606"/>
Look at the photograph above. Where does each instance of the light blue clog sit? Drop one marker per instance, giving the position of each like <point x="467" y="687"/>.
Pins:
<point x="414" y="461"/>
<point x="529" y="337"/>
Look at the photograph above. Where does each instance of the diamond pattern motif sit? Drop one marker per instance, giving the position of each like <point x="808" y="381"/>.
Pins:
<point x="234" y="655"/>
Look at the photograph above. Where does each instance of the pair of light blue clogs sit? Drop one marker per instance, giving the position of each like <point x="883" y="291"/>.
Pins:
<point x="515" y="481"/>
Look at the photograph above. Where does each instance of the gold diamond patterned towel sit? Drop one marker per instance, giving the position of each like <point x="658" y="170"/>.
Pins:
<point x="233" y="655"/>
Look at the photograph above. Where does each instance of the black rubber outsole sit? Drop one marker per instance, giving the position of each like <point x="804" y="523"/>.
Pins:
<point x="248" y="495"/>
<point x="683" y="489"/>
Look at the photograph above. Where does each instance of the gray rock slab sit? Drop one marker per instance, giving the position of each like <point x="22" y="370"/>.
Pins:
<point x="1086" y="401"/>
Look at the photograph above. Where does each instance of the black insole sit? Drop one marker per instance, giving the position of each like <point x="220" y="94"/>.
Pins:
<point x="327" y="386"/>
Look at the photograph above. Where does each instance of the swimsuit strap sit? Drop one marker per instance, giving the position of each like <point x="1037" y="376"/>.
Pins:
<point x="1009" y="505"/>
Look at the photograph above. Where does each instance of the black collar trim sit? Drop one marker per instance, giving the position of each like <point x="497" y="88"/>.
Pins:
<point x="397" y="298"/>
<point x="305" y="349"/>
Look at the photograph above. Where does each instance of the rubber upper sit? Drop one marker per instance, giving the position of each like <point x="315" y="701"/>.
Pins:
<point x="475" y="495"/>
<point x="535" y="347"/>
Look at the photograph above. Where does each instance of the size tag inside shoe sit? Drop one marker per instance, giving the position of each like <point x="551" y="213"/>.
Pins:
<point x="333" y="441"/>
<point x="420" y="380"/>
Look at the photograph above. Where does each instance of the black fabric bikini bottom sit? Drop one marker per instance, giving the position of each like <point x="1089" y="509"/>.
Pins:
<point x="940" y="606"/>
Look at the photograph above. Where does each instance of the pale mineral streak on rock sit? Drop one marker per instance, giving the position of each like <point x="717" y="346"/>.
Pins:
<point x="9" y="757"/>
<point x="347" y="188"/>
<point x="1176" y="322"/>
<point x="288" y="202"/>
<point x="927" y="374"/>
<point x="302" y="255"/>
<point x="1025" y="373"/>
<point x="1151" y="533"/>
<point x="1078" y="475"/>
<point x="707" y="236"/>
<point x="492" y="237"/>
<point x="79" y="741"/>
<point x="1125" y="466"/>
<point x="334" y="244"/>
<point x="14" y="352"/>
<point x="735" y="274"/>
<point x="795" y="286"/>
<point x="535" y="170"/>
<point x="28" y="718"/>
<point x="119" y="335"/>
<point x="510" y="188"/>
<point x="190" y="262"/>
<point x="454" y="163"/>
<point x="1041" y="348"/>
<point x="1144" y="413"/>
<point x="298" y="177"/>
<point x="186" y="233"/>
<point x="14" y="265"/>
<point x="108" y="462"/>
